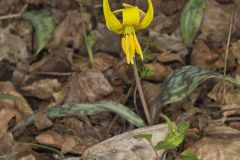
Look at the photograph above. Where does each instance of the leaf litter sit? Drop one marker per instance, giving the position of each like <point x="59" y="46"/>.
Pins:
<point x="61" y="75"/>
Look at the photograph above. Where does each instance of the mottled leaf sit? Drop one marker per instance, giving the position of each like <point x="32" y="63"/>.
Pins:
<point x="85" y="109"/>
<point x="44" y="25"/>
<point x="191" y="18"/>
<point x="187" y="155"/>
<point x="148" y="137"/>
<point x="183" y="82"/>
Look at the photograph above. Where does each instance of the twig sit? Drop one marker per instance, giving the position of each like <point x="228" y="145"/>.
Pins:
<point x="53" y="73"/>
<point x="140" y="91"/>
<point x="227" y="49"/>
<point x="111" y="125"/>
<point x="225" y="119"/>
<point x="16" y="15"/>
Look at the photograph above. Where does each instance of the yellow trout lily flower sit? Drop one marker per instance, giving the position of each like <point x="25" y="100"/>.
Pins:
<point x="131" y="22"/>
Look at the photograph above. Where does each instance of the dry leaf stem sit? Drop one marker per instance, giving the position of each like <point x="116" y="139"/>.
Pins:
<point x="17" y="15"/>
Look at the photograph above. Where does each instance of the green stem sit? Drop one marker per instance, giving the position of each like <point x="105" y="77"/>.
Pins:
<point x="86" y="38"/>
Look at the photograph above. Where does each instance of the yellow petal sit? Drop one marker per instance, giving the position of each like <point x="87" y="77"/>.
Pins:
<point x="125" y="50"/>
<point x="112" y="22"/>
<point x="132" y="44"/>
<point x="131" y="16"/>
<point x="132" y="47"/>
<point x="138" y="47"/>
<point x="148" y="17"/>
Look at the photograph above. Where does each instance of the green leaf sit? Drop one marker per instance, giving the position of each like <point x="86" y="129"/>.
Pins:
<point x="162" y="145"/>
<point x="191" y="18"/>
<point x="44" y="25"/>
<point x="148" y="137"/>
<point x="85" y="109"/>
<point x="90" y="40"/>
<point x="175" y="139"/>
<point x="187" y="155"/>
<point x="182" y="127"/>
<point x="171" y="128"/>
<point x="183" y="82"/>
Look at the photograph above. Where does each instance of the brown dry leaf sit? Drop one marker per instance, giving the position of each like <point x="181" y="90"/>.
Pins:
<point x="41" y="121"/>
<point x="68" y="32"/>
<point x="170" y="7"/>
<point x="220" y="146"/>
<point x="12" y="47"/>
<point x="164" y="24"/>
<point x="65" y="142"/>
<point x="68" y="145"/>
<point x="125" y="146"/>
<point x="6" y="115"/>
<point x="50" y="138"/>
<point x="89" y="85"/>
<point x="104" y="61"/>
<point x="12" y="108"/>
<point x="151" y="91"/>
<point x="80" y="64"/>
<point x="216" y="21"/>
<point x="59" y="60"/>
<point x="60" y="96"/>
<point x="6" y="6"/>
<point x="229" y="102"/>
<point x="124" y="73"/>
<point x="43" y="89"/>
<point x="213" y="129"/>
<point x="170" y="57"/>
<point x="159" y="71"/>
<point x="9" y="150"/>
<point x="235" y="50"/>
<point x="202" y="56"/>
<point x="106" y="41"/>
<point x="171" y="42"/>
<point x="118" y="95"/>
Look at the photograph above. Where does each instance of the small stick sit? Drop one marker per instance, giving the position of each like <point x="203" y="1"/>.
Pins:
<point x="140" y="91"/>
<point x="17" y="15"/>
<point x="227" y="49"/>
